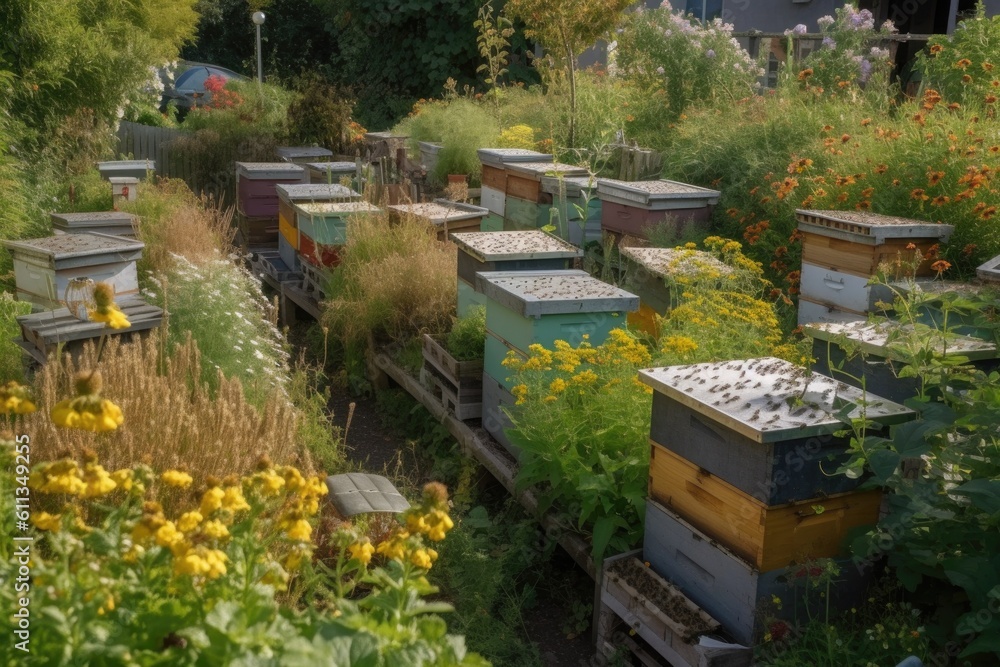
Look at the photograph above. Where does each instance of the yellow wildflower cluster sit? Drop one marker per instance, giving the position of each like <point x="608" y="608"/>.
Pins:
<point x="87" y="411"/>
<point x="429" y="520"/>
<point x="679" y="345"/>
<point x="66" y="477"/>
<point x="105" y="309"/>
<point x="517" y="136"/>
<point x="15" y="399"/>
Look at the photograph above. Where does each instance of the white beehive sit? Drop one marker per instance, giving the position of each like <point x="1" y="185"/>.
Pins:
<point x="116" y="223"/>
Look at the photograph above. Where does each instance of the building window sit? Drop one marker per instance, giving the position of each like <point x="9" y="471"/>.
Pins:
<point x="706" y="10"/>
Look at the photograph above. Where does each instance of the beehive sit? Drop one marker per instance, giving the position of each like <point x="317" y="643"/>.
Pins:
<point x="291" y="194"/>
<point x="630" y="208"/>
<point x="526" y="307"/>
<point x="494" y="173"/>
<point x="765" y="426"/>
<point x="841" y="250"/>
<point x="647" y="270"/>
<point x="302" y="155"/>
<point x="442" y="215"/>
<point x="575" y="199"/>
<point x="505" y="251"/>
<point x="929" y="304"/>
<point x="43" y="267"/>
<point x="330" y="172"/>
<point x="524" y="179"/>
<point x="124" y="188"/>
<point x="731" y="590"/>
<point x="875" y="353"/>
<point x="255" y="186"/>
<point x="115" y="223"/>
<point x="322" y="228"/>
<point x="989" y="270"/>
<point x="128" y="168"/>
<point x="429" y="155"/>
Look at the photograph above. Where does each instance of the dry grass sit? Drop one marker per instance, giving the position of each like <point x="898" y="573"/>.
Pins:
<point x="171" y="418"/>
<point x="394" y="282"/>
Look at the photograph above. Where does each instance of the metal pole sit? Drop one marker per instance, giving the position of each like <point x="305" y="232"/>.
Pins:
<point x="952" y="16"/>
<point x="260" y="67"/>
<point x="704" y="10"/>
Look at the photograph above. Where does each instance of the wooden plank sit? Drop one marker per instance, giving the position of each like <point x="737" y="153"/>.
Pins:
<point x="767" y="537"/>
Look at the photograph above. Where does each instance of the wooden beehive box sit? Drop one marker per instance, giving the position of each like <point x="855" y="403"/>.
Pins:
<point x="524" y="179"/>
<point x="124" y="188"/>
<point x="766" y="536"/>
<point x="129" y="168"/>
<point x="841" y="250"/>
<point x="291" y="194"/>
<point x="302" y="155"/>
<point x="255" y="186"/>
<point x="322" y="229"/>
<point x="526" y="307"/>
<point x="506" y="251"/>
<point x="458" y="385"/>
<point x="731" y="590"/>
<point x="873" y="354"/>
<point x="630" y="208"/>
<point x="331" y="172"/>
<point x="765" y="426"/>
<point x="494" y="173"/>
<point x="115" y="223"/>
<point x="43" y="267"/>
<point x="575" y="199"/>
<point x="647" y="271"/>
<point x="442" y="215"/>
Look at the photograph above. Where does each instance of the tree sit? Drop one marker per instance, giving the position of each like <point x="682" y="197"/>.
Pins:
<point x="569" y="27"/>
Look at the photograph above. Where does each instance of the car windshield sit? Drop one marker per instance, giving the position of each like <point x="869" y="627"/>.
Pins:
<point x="193" y="79"/>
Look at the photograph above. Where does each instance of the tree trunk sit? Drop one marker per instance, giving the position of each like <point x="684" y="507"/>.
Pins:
<point x="571" y="65"/>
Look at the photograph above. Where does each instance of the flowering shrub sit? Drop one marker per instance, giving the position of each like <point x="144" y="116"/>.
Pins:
<point x="681" y="61"/>
<point x="221" y="96"/>
<point x="965" y="66"/>
<point x="849" y="54"/>
<point x="517" y="136"/>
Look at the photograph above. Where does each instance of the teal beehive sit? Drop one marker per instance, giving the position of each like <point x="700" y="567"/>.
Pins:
<point x="578" y="209"/>
<point x="528" y="307"/>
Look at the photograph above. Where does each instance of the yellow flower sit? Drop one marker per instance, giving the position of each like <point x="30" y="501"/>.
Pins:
<point x="201" y="561"/>
<point x="212" y="500"/>
<point x="550" y="399"/>
<point x="124" y="478"/>
<point x="89" y="413"/>
<point x="15" y="399"/>
<point x="177" y="478"/>
<point x="46" y="521"/>
<point x="293" y="478"/>
<point x="362" y="551"/>
<point x="421" y="559"/>
<point x="394" y="547"/>
<point x="295" y="557"/>
<point x="215" y="530"/>
<point x="679" y="344"/>
<point x="111" y="316"/>
<point x="189" y="521"/>
<point x="300" y="531"/>
<point x="98" y="481"/>
<point x="168" y="536"/>
<point x="587" y="377"/>
<point x="232" y="499"/>
<point x="269" y="482"/>
<point x="61" y="476"/>
<point x="439" y="524"/>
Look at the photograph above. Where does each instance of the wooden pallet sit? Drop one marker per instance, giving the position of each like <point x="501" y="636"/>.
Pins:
<point x="459" y="404"/>
<point x="313" y="281"/>
<point x="458" y="384"/>
<point x="268" y="262"/>
<point x="43" y="333"/>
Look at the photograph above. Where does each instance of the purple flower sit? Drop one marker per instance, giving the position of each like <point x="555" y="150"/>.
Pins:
<point x="710" y="53"/>
<point x="829" y="43"/>
<point x="800" y="29"/>
<point x="825" y="21"/>
<point x="866" y="71"/>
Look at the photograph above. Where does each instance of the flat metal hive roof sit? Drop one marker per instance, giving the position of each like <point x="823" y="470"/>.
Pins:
<point x="539" y="169"/>
<point x="440" y="211"/>
<point x="575" y="186"/>
<point x="319" y="208"/>
<point x="381" y="136"/>
<point x="76" y="245"/>
<point x="658" y="189"/>
<point x="866" y="223"/>
<point x="339" y="167"/>
<point x="322" y="191"/>
<point x="123" y="180"/>
<point x="358" y="493"/>
<point x="498" y="157"/>
<point x="264" y="170"/>
<point x="675" y="261"/>
<point x="990" y="270"/>
<point x="537" y="293"/>
<point x="101" y="218"/>
<point x="111" y="165"/>
<point x="512" y="245"/>
<point x="294" y="152"/>
<point x="890" y="339"/>
<point x="770" y="399"/>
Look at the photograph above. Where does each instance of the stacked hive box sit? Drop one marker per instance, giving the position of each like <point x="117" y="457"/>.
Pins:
<point x="115" y="223"/>
<point x="528" y="307"/>
<point x="300" y="193"/>
<point x="124" y="188"/>
<point x="126" y="168"/>
<point x="44" y="267"/>
<point x="632" y="208"/>
<point x="505" y="251"/>
<point x="494" y="179"/>
<point x="579" y="209"/>
<point x="741" y="488"/>
<point x="302" y="155"/>
<point x="257" y="199"/>
<point x="648" y="268"/>
<point x="841" y="250"/>
<point x="322" y="229"/>
<point x="442" y="215"/>
<point x="331" y="172"/>
<point x="527" y="205"/>
<point x="429" y="155"/>
<point x="872" y="354"/>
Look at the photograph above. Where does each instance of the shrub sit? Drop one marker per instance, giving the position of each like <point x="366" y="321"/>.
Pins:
<point x="467" y="338"/>
<point x="171" y="416"/>
<point x="964" y="66"/>
<point x="321" y="114"/>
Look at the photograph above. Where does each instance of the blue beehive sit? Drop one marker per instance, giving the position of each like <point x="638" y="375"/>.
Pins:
<point x="527" y="307"/>
<point x="579" y="209"/>
<point x="505" y="251"/>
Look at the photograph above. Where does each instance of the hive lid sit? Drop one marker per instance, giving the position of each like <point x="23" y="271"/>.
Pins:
<point x="266" y="170"/>
<point x="326" y="208"/>
<point x="338" y="167"/>
<point x="575" y="185"/>
<point x="293" y="192"/>
<point x="441" y="211"/>
<point x="123" y="180"/>
<point x="770" y="399"/>
<point x="92" y="219"/>
<point x="539" y="169"/>
<point x="384" y="136"/>
<point x="76" y="245"/>
<point x="357" y="493"/>
<point x="512" y="246"/>
<point x="896" y="341"/>
<point x="990" y="270"/>
<point x="537" y="293"/>
<point x="665" y="262"/>
<point x="126" y="165"/>
<point x="498" y="157"/>
<point x="300" y="152"/>
<point x="868" y="227"/>
<point x="647" y="192"/>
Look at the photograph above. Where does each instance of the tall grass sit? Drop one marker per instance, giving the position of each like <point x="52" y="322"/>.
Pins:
<point x="10" y="353"/>
<point x="172" y="418"/>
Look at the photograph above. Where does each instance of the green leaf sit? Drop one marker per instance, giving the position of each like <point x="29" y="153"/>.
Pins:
<point x="984" y="493"/>
<point x="884" y="463"/>
<point x="604" y="528"/>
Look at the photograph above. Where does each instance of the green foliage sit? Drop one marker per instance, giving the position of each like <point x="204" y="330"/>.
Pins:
<point x="10" y="353"/>
<point x="964" y="66"/>
<point x="317" y="434"/>
<point x="468" y="335"/>
<point x="494" y="46"/>
<point x="320" y="114"/>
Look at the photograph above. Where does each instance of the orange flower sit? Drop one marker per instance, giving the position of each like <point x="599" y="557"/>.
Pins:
<point x="863" y="205"/>
<point x="954" y="106"/>
<point x="845" y="138"/>
<point x="987" y="67"/>
<point x="867" y="193"/>
<point x="940" y="200"/>
<point x="969" y="249"/>
<point x="990" y="99"/>
<point x="820" y="193"/>
<point x="933" y="177"/>
<point x="844" y="84"/>
<point x="827" y="128"/>
<point x="941" y="266"/>
<point x="966" y="78"/>
<point x="932" y="252"/>
<point x="896" y="181"/>
<point x="911" y="246"/>
<point x="805" y="74"/>
<point x="918" y="194"/>
<point x="963" y="63"/>
<point x="919" y="119"/>
<point x="881" y="169"/>
<point x="988" y="213"/>
<point x="842" y="197"/>
<point x="936" y="49"/>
